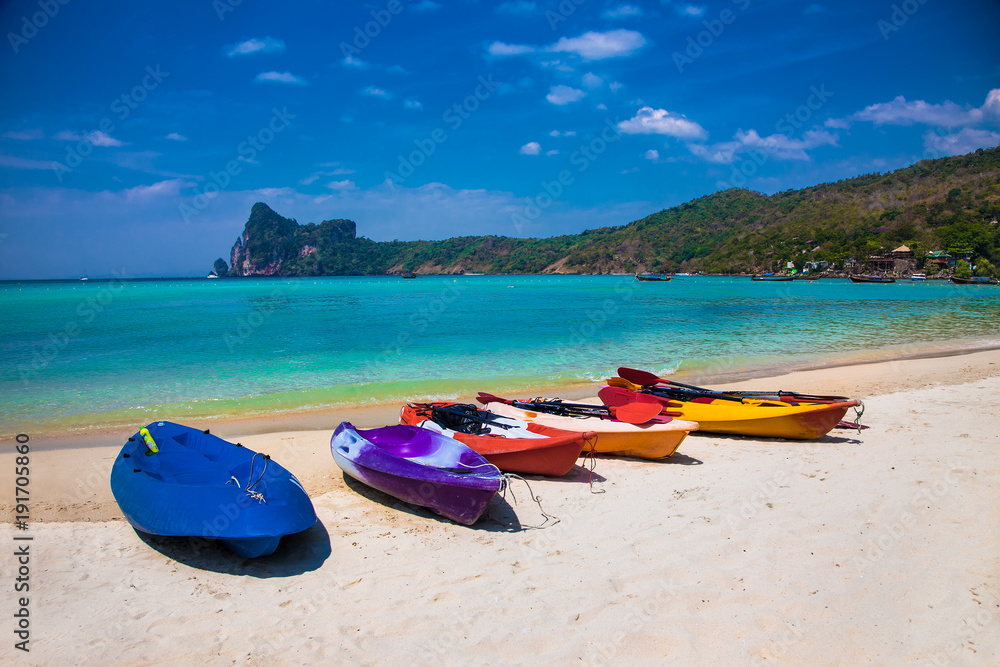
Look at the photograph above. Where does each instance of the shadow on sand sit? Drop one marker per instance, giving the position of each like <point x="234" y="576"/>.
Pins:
<point x="296" y="554"/>
<point x="499" y="517"/>
<point x="828" y="439"/>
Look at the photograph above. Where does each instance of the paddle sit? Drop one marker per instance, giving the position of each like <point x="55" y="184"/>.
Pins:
<point x="642" y="378"/>
<point x="621" y="396"/>
<point x="637" y="413"/>
<point x="649" y="380"/>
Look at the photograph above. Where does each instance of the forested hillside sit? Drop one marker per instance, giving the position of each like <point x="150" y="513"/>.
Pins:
<point x="949" y="204"/>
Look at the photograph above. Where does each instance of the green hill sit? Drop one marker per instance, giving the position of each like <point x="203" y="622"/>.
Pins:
<point x="950" y="203"/>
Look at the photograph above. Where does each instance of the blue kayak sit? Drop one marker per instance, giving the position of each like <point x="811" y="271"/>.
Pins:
<point x="174" y="480"/>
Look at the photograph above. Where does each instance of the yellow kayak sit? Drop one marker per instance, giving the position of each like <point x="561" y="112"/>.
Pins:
<point x="653" y="440"/>
<point x="768" y="419"/>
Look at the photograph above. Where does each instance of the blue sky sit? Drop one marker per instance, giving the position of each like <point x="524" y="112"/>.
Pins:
<point x="134" y="137"/>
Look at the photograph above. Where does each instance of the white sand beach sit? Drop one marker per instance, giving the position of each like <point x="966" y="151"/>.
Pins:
<point x="875" y="548"/>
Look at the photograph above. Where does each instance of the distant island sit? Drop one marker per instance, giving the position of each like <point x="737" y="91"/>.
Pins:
<point x="949" y="206"/>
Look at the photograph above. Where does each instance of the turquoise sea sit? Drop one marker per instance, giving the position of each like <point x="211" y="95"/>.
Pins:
<point x="76" y="355"/>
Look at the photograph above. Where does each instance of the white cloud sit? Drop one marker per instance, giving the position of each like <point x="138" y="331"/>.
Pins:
<point x="426" y="6"/>
<point x="602" y="107"/>
<point x="552" y="152"/>
<point x="563" y="95"/>
<point x="23" y="135"/>
<point x="946" y="115"/>
<point x="591" y="80"/>
<point x="991" y="107"/>
<point x="531" y="148"/>
<point x="652" y="154"/>
<point x="162" y="188"/>
<point x="615" y="86"/>
<point x="254" y="45"/>
<point x="622" y="12"/>
<point x="690" y="10"/>
<point x="965" y="141"/>
<point x="96" y="137"/>
<point x="173" y="136"/>
<point x="351" y="61"/>
<point x="660" y="121"/>
<point x="517" y="8"/>
<point x="589" y="46"/>
<point x="901" y="112"/>
<point x="777" y="146"/>
<point x="374" y="91"/>
<point x="501" y="49"/>
<point x="413" y="104"/>
<point x="342" y="185"/>
<point x="280" y="77"/>
<point x="554" y="133"/>
<point x="315" y="176"/>
<point x="601" y="45"/>
<point x="22" y="163"/>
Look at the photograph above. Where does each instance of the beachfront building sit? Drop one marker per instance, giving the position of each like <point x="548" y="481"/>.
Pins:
<point x="881" y="262"/>
<point x="903" y="260"/>
<point x="939" y="259"/>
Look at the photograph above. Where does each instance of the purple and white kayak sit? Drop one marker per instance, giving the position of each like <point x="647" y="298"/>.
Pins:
<point x="419" y="467"/>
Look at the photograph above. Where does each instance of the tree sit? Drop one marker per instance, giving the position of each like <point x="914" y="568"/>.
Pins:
<point x="963" y="270"/>
<point x="985" y="268"/>
<point x="221" y="268"/>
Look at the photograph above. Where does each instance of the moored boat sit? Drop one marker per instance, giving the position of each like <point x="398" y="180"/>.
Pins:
<point x="174" y="480"/>
<point x="918" y="277"/>
<point x="652" y="277"/>
<point x="656" y="439"/>
<point x="872" y="279"/>
<point x="420" y="467"/>
<point x="975" y="280"/>
<point x="509" y="444"/>
<point x="771" y="278"/>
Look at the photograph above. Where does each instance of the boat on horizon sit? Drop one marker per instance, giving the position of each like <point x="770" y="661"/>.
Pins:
<point x="770" y="277"/>
<point x="409" y="275"/>
<point x="872" y="279"/>
<point x="652" y="277"/>
<point x="975" y="280"/>
<point x="918" y="276"/>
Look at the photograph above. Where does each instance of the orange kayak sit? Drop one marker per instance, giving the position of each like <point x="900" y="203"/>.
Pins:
<point x="509" y="444"/>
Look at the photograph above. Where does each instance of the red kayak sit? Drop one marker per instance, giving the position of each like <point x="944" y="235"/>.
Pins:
<point x="507" y="443"/>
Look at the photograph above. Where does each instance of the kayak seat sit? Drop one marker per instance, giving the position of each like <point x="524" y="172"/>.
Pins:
<point x="210" y="447"/>
<point x="183" y="467"/>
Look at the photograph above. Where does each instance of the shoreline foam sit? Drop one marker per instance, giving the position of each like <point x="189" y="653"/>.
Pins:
<point x="56" y="434"/>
